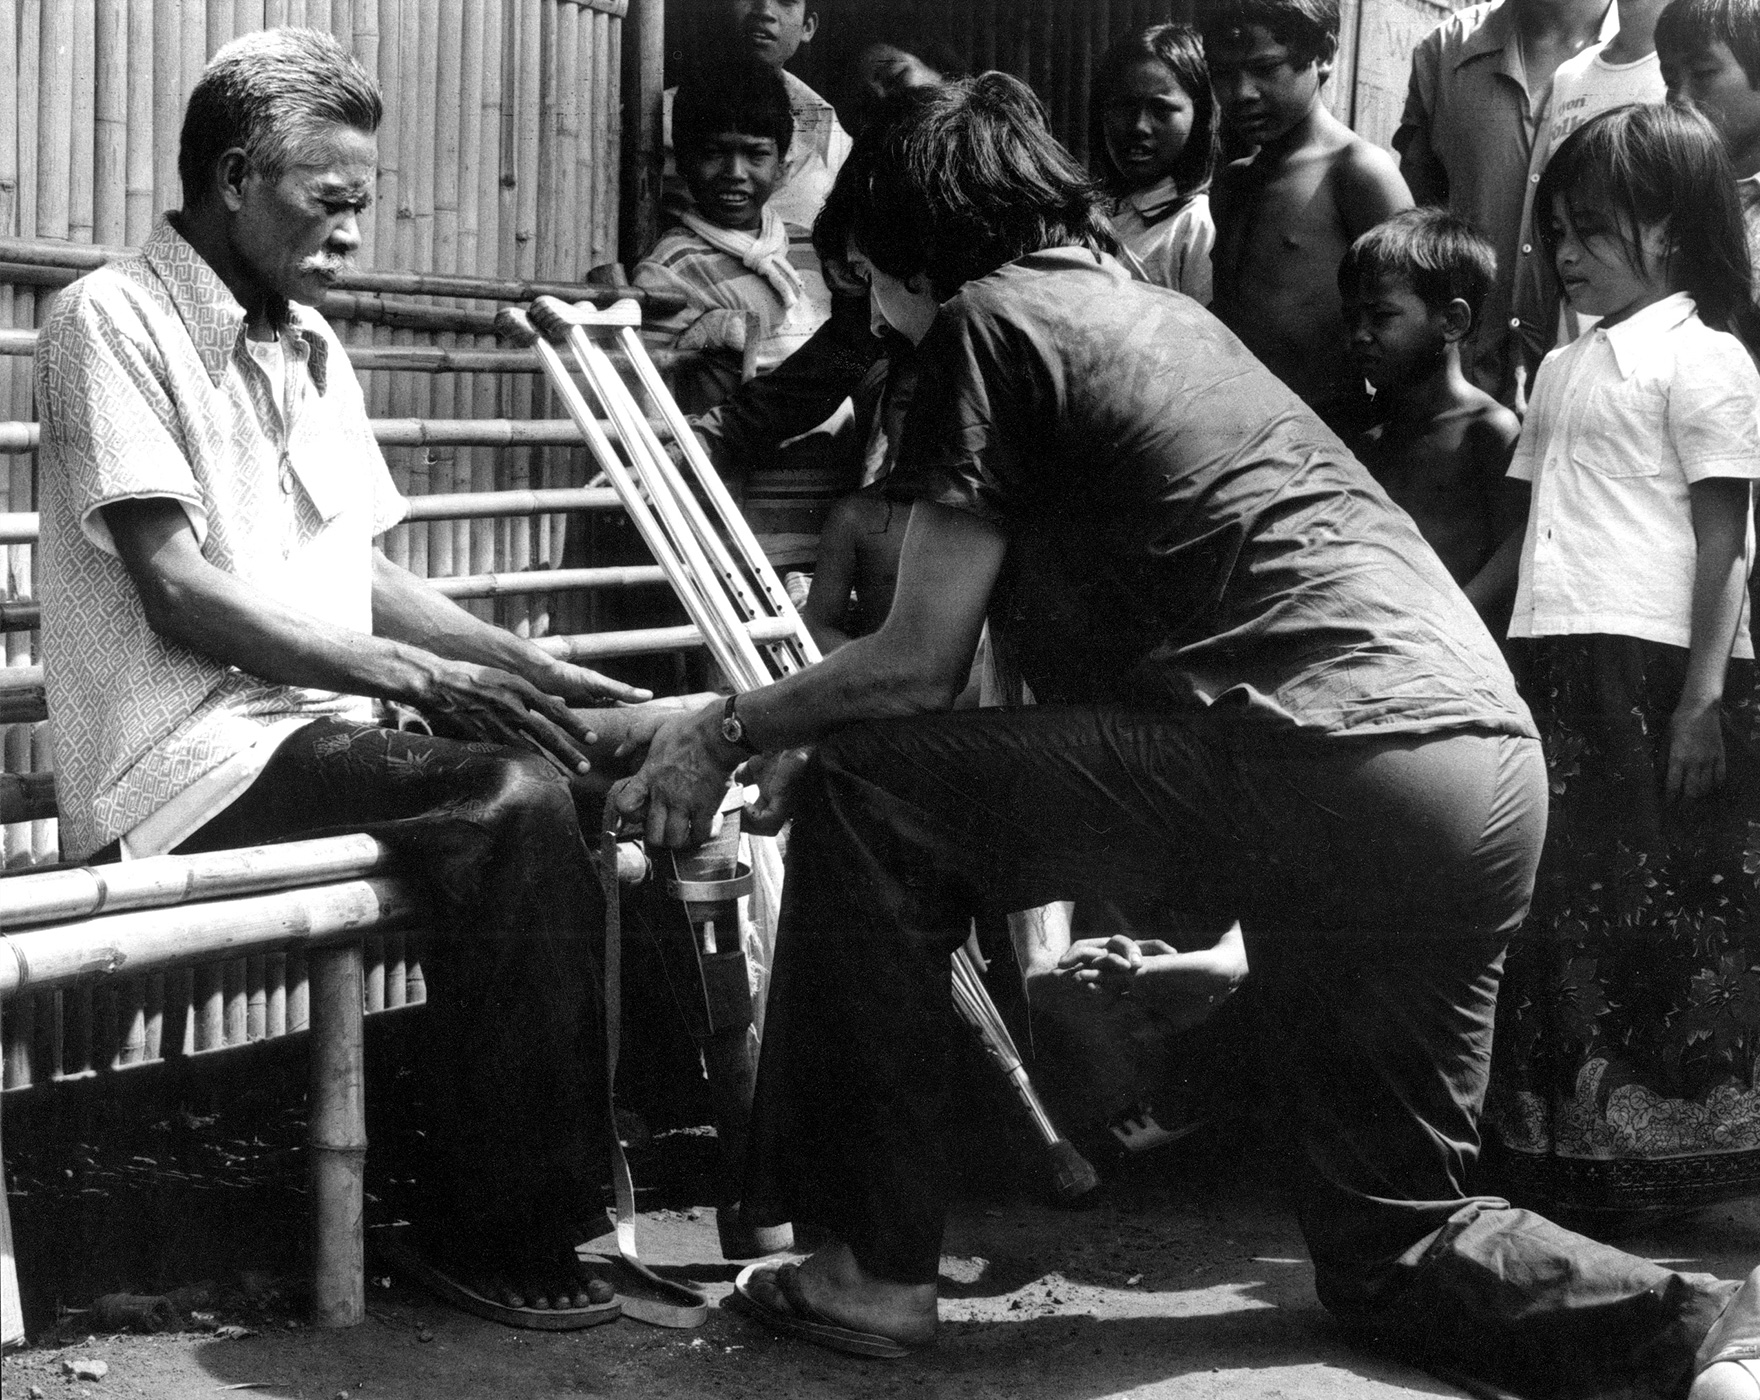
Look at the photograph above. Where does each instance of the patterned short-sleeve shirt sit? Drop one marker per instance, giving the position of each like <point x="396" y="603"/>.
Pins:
<point x="145" y="390"/>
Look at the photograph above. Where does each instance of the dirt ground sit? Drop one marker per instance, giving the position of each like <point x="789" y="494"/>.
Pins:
<point x="1185" y="1279"/>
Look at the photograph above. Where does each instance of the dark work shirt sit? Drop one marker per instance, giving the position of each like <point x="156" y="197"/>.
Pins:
<point x="1182" y="530"/>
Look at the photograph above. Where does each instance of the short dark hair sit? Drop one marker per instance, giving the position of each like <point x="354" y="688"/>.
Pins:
<point x="957" y="180"/>
<point x="1309" y="28"/>
<point x="741" y="95"/>
<point x="1692" y="26"/>
<point x="1660" y="164"/>
<point x="1178" y="48"/>
<point x="924" y="42"/>
<point x="1444" y="258"/>
<point x="272" y="93"/>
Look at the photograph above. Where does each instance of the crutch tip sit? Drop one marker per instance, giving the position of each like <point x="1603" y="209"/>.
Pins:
<point x="1072" y="1176"/>
<point x="513" y="324"/>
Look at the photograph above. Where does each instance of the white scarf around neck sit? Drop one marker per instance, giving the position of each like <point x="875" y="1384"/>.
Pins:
<point x="765" y="253"/>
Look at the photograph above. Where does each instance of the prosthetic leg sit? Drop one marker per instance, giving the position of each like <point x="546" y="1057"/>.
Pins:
<point x="728" y="589"/>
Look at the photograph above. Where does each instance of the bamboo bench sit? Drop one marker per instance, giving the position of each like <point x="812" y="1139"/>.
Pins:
<point x="176" y="958"/>
<point x="118" y="947"/>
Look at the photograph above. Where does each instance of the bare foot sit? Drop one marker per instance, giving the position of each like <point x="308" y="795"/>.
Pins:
<point x="545" y="1281"/>
<point x="836" y="1287"/>
<point x="1727" y="1380"/>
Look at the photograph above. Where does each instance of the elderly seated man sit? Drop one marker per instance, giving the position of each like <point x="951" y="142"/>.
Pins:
<point x="217" y="628"/>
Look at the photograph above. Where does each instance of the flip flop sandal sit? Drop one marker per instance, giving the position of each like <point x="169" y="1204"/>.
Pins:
<point x="800" y="1320"/>
<point x="392" y="1244"/>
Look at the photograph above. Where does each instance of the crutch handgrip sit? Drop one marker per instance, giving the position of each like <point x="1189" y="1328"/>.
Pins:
<point x="554" y="318"/>
<point x="513" y="324"/>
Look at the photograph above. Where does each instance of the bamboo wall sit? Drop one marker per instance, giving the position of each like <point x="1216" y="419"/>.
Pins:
<point x="498" y="155"/>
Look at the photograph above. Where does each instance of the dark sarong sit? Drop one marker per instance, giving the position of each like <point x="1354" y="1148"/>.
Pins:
<point x="1628" y="1035"/>
<point x="509" y="1058"/>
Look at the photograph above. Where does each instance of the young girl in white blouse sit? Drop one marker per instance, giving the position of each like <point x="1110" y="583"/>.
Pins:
<point x="1152" y="143"/>
<point x="1615" y="1048"/>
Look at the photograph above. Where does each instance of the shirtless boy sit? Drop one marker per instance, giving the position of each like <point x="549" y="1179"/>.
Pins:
<point x="1412" y="290"/>
<point x="1286" y="214"/>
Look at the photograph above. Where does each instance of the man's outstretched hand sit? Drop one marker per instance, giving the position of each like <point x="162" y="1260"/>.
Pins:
<point x="576" y="685"/>
<point x="503" y="708"/>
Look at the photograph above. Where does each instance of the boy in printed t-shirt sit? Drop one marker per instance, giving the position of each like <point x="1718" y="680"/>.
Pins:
<point x="732" y="254"/>
<point x="1286" y="214"/>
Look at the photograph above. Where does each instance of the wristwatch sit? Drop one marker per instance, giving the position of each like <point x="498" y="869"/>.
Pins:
<point x="733" y="731"/>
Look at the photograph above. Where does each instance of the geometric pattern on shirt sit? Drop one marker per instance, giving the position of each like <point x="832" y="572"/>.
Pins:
<point x="145" y="389"/>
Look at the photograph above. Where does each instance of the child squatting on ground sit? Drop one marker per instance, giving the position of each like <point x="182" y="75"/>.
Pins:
<point x="732" y="254"/>
<point x="1286" y="214"/>
<point x="1413" y="288"/>
<point x="1152" y="131"/>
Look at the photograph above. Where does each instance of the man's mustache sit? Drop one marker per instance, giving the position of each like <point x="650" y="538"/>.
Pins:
<point x="325" y="264"/>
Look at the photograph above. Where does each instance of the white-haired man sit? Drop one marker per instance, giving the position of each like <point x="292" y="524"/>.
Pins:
<point x="218" y="627"/>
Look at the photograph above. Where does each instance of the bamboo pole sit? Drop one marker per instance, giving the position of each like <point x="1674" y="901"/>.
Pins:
<point x="220" y="24"/>
<point x="144" y="940"/>
<point x="644" y="80"/>
<point x="58" y="253"/>
<point x="85" y="115"/>
<point x="56" y="896"/>
<point x="338" y="1137"/>
<point x="520" y="233"/>
<point x="196" y="46"/>
<point x="138" y="209"/>
<point x="11" y="836"/>
<point x="387" y="214"/>
<point x="357" y="26"/>
<point x="256" y="1021"/>
<point x="210" y="1007"/>
<point x="247" y="17"/>
<point x="275" y="975"/>
<point x="155" y="1016"/>
<point x="110" y="118"/>
<point x="55" y="106"/>
<point x="275" y="14"/>
<point x="235" y="1007"/>
<point x="469" y="194"/>
<point x="486" y="390"/>
<point x="373" y="968"/>
<point x="167" y="98"/>
<point x="299" y="992"/>
<point x="448" y="127"/>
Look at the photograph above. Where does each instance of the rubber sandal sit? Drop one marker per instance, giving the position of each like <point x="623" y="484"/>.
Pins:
<point x="802" y="1321"/>
<point x="391" y="1243"/>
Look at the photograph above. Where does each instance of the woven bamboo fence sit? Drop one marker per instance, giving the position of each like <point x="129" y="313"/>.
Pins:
<point x="498" y="157"/>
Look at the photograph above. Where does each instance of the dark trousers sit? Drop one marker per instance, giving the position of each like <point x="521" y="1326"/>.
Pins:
<point x="508" y="1051"/>
<point x="1377" y="882"/>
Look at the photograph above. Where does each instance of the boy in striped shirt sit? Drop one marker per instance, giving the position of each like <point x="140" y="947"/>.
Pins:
<point x="731" y="253"/>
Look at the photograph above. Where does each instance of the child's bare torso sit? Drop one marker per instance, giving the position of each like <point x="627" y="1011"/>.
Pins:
<point x="1282" y="225"/>
<point x="878" y="534"/>
<point x="1446" y="472"/>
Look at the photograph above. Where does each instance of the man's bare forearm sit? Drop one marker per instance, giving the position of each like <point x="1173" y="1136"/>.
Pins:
<point x="411" y="610"/>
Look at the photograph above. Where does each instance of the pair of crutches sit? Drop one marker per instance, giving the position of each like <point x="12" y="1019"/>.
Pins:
<point x="733" y="596"/>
